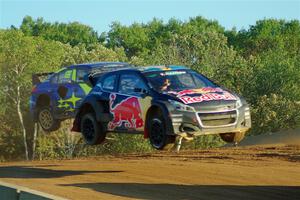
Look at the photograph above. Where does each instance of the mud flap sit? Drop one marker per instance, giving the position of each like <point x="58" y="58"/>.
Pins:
<point x="146" y="134"/>
<point x="76" y="125"/>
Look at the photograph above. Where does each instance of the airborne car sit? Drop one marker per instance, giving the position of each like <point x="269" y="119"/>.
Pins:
<point x="57" y="97"/>
<point x="161" y="102"/>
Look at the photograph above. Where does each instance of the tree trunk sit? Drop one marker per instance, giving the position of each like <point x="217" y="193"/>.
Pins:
<point x="22" y="122"/>
<point x="35" y="134"/>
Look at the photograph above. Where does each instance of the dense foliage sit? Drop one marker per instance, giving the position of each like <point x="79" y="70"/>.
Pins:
<point x="261" y="63"/>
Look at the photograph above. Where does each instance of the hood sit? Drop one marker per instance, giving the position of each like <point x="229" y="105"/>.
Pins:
<point x="203" y="95"/>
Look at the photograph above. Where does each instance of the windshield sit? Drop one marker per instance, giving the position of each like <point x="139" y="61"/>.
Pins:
<point x="164" y="81"/>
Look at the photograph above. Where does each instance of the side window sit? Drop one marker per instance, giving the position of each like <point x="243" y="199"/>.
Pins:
<point x="109" y="83"/>
<point x="80" y="75"/>
<point x="65" y="76"/>
<point x="130" y="82"/>
<point x="54" y="79"/>
<point x="200" y="81"/>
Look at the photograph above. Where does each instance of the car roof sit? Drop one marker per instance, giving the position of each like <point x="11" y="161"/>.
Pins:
<point x="154" y="68"/>
<point x="98" y="64"/>
<point x="162" y="68"/>
<point x="143" y="69"/>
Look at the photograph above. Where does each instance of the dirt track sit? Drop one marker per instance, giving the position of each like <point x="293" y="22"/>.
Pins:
<point x="231" y="173"/>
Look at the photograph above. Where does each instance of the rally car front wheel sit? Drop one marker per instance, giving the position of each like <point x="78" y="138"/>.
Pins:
<point x="92" y="130"/>
<point x="233" y="137"/>
<point x="46" y="120"/>
<point x="158" y="135"/>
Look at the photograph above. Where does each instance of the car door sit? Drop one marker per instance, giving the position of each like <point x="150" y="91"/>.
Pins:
<point x="78" y="77"/>
<point x="128" y="103"/>
<point x="81" y="89"/>
<point x="66" y="94"/>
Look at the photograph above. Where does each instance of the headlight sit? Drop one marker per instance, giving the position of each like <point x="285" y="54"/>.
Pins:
<point x="238" y="103"/>
<point x="181" y="107"/>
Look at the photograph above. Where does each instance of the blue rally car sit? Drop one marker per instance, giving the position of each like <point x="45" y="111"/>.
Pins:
<point x="56" y="98"/>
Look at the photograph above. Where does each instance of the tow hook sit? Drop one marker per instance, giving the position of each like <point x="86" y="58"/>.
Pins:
<point x="185" y="136"/>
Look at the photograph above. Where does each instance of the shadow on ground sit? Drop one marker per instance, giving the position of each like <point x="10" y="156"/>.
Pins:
<point x="177" y="192"/>
<point x="40" y="172"/>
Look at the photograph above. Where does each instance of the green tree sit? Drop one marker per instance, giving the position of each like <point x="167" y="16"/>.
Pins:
<point x="20" y="56"/>
<point x="267" y="35"/>
<point x="272" y="50"/>
<point x="73" y="33"/>
<point x="141" y="39"/>
<point x="134" y="39"/>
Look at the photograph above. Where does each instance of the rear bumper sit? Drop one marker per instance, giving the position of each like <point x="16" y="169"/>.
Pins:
<point x="201" y="123"/>
<point x="33" y="109"/>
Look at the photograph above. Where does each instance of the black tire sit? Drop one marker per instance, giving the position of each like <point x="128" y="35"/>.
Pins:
<point x="233" y="137"/>
<point x="159" y="139"/>
<point x="47" y="120"/>
<point x="92" y="131"/>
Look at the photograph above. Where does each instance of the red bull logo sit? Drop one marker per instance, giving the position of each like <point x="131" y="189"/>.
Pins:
<point x="127" y="113"/>
<point x="207" y="97"/>
<point x="206" y="94"/>
<point x="204" y="90"/>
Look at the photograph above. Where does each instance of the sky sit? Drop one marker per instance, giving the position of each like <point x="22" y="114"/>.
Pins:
<point x="99" y="14"/>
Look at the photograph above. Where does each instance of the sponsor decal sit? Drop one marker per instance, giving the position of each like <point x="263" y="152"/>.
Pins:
<point x="99" y="93"/>
<point x="68" y="74"/>
<point x="85" y="87"/>
<point x="207" y="97"/>
<point x="126" y="113"/>
<point x="68" y="104"/>
<point x="204" y="90"/>
<point x="206" y="94"/>
<point x="172" y="73"/>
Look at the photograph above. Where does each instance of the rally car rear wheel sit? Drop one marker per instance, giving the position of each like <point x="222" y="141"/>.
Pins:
<point x="158" y="135"/>
<point x="92" y="130"/>
<point x="233" y="137"/>
<point x="46" y="120"/>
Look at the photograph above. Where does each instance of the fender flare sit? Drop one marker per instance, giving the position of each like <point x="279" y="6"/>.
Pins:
<point x="98" y="105"/>
<point x="165" y="111"/>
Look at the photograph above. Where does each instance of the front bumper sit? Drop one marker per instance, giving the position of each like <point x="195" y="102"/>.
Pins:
<point x="211" y="122"/>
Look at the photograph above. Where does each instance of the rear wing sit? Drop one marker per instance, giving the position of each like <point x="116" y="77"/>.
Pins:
<point x="37" y="78"/>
